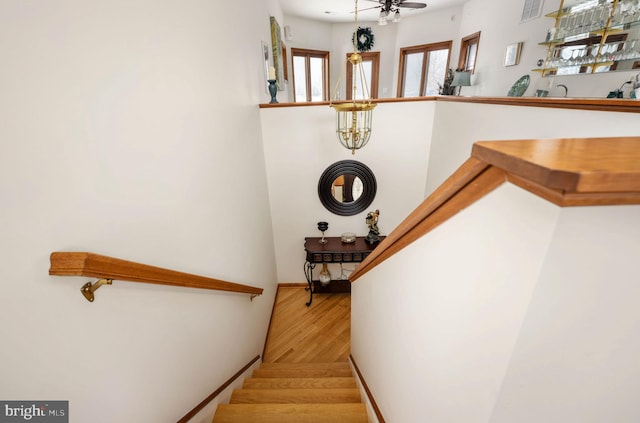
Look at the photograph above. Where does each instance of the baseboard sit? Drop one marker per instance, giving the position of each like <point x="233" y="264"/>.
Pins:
<point x="370" y="399"/>
<point x="217" y="392"/>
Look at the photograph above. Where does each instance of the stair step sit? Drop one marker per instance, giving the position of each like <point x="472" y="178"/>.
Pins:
<point x="299" y="383"/>
<point x="280" y="373"/>
<point x="291" y="413"/>
<point x="291" y="370"/>
<point x="319" y="365"/>
<point x="295" y="396"/>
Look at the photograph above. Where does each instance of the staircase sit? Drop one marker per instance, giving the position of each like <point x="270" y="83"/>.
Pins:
<point x="296" y="392"/>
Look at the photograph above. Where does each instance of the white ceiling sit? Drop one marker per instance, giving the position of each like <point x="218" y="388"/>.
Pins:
<point x="342" y="10"/>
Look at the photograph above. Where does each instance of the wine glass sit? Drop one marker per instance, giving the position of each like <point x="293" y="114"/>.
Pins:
<point x="323" y="226"/>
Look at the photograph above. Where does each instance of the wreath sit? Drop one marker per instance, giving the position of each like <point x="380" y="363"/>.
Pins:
<point x="365" y="39"/>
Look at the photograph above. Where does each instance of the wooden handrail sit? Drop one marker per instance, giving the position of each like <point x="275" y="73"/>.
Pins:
<point x="599" y="104"/>
<point x="567" y="172"/>
<point x="109" y="268"/>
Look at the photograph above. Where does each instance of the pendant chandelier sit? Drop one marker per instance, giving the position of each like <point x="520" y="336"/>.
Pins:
<point x="353" y="118"/>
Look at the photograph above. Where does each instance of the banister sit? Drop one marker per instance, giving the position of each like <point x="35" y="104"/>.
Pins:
<point x="109" y="269"/>
<point x="566" y="172"/>
<point x="598" y="104"/>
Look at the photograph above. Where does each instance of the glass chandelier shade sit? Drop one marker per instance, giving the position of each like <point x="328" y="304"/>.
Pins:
<point x="353" y="124"/>
<point x="382" y="19"/>
<point x="354" y="117"/>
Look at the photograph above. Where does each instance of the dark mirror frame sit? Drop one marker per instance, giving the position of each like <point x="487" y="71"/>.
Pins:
<point x="351" y="167"/>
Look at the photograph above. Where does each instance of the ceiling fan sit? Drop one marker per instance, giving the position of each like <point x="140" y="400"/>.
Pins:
<point x="388" y="7"/>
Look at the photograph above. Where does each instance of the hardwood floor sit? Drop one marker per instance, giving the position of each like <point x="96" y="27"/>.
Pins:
<point x="301" y="334"/>
<point x="305" y="375"/>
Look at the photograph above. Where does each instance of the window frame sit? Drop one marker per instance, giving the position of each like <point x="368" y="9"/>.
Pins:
<point x="308" y="54"/>
<point x="423" y="48"/>
<point x="374" y="58"/>
<point x="465" y="44"/>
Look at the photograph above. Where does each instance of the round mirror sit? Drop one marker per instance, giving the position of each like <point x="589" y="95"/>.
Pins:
<point x="347" y="187"/>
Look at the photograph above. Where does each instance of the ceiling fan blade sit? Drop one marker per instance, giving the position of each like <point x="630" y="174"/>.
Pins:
<point x="412" y="5"/>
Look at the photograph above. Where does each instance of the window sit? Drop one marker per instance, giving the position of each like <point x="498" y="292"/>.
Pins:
<point x="468" y="52"/>
<point x="423" y="69"/>
<point x="310" y="75"/>
<point x="371" y="68"/>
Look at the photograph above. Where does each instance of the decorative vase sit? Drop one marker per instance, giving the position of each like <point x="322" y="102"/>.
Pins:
<point x="273" y="90"/>
<point x="325" y="276"/>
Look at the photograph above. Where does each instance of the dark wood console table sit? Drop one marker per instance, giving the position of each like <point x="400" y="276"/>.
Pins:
<point x="333" y="251"/>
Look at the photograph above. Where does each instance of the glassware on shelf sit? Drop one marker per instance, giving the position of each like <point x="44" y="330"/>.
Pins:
<point x="578" y="42"/>
<point x="631" y="50"/>
<point x="593" y="53"/>
<point x="577" y="22"/>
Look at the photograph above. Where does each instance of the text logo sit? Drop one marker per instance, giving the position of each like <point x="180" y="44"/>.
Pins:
<point x="34" y="411"/>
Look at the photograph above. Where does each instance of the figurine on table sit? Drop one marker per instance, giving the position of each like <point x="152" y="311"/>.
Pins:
<point x="372" y="222"/>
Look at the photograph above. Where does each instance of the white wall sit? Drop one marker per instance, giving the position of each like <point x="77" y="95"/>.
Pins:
<point x="513" y="310"/>
<point x="458" y="125"/>
<point x="126" y="134"/>
<point x="576" y="358"/>
<point x="434" y="27"/>
<point x="441" y="25"/>
<point x="305" y="34"/>
<point x="499" y="24"/>
<point x="384" y="42"/>
<point x="300" y="143"/>
<point x="409" y="139"/>
<point x="434" y="326"/>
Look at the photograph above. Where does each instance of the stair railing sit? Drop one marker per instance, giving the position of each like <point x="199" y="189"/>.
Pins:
<point x="566" y="172"/>
<point x="108" y="269"/>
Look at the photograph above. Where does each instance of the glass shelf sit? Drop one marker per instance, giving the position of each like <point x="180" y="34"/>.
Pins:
<point x="592" y="36"/>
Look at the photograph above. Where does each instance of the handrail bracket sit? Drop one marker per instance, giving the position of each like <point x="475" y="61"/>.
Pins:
<point x="88" y="288"/>
<point x="253" y="296"/>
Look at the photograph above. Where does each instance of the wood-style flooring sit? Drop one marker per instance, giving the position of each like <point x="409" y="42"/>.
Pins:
<point x="320" y="333"/>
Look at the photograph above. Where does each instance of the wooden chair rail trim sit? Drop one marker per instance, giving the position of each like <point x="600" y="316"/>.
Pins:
<point x="217" y="392"/>
<point x="98" y="266"/>
<point x="597" y="104"/>
<point x="566" y="172"/>
<point x="372" y="400"/>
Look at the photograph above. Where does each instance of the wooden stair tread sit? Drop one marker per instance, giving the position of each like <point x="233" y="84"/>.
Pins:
<point x="303" y="373"/>
<point x="298" y="396"/>
<point x="291" y="413"/>
<point x="299" y="382"/>
<point x="319" y="365"/>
